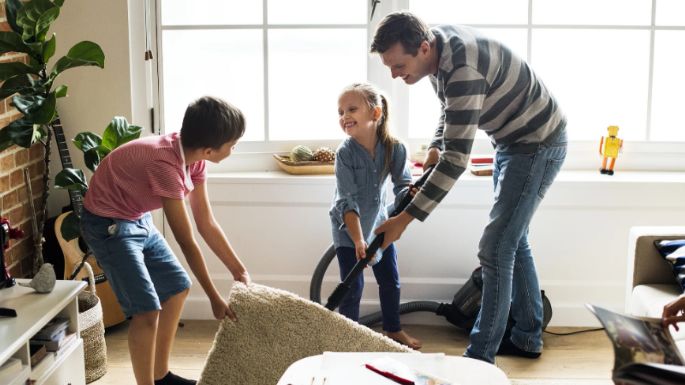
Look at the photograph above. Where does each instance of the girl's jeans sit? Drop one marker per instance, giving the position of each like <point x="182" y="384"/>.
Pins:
<point x="388" y="280"/>
<point x="522" y="175"/>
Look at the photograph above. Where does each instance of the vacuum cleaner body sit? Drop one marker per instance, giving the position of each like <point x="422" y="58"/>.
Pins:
<point x="463" y="310"/>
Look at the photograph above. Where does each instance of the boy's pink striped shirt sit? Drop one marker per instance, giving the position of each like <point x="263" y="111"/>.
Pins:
<point x="133" y="179"/>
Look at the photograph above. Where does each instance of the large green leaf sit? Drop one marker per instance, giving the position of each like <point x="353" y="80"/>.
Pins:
<point x="86" y="141"/>
<point x="49" y="48"/>
<point x="43" y="23"/>
<point x="5" y="139"/>
<point x="36" y="108"/>
<point x="71" y="227"/>
<point x="24" y="133"/>
<point x="85" y="53"/>
<point x="11" y="42"/>
<point x="11" y="8"/>
<point x="119" y="132"/>
<point x="43" y="111"/>
<point x="31" y="18"/>
<point x="15" y="84"/>
<point x="71" y="179"/>
<point x="93" y="157"/>
<point x="8" y="70"/>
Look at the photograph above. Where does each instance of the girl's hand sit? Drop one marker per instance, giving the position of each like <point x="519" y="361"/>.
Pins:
<point x="360" y="249"/>
<point x="221" y="310"/>
<point x="413" y="190"/>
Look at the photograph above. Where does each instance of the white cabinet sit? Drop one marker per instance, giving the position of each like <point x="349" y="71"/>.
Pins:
<point x="34" y="310"/>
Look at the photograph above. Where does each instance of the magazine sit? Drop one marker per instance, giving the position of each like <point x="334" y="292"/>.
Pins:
<point x="644" y="351"/>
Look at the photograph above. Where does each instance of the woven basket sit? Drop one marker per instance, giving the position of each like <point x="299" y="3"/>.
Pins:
<point x="92" y="330"/>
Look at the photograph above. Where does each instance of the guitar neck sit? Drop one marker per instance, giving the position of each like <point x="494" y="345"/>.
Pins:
<point x="74" y="196"/>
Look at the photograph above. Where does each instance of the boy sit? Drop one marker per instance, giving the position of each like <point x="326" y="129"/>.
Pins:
<point x="149" y="282"/>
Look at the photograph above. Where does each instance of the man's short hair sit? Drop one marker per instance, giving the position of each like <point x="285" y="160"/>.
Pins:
<point x="210" y="122"/>
<point x="403" y="27"/>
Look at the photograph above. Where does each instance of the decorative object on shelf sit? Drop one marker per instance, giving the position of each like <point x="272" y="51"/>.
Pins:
<point x="92" y="330"/>
<point x="481" y="166"/>
<point x="301" y="153"/>
<point x="324" y="154"/>
<point x="612" y="146"/>
<point x="304" y="167"/>
<point x="6" y="233"/>
<point x="44" y="280"/>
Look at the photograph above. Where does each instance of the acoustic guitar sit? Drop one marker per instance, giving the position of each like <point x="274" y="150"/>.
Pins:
<point x="74" y="254"/>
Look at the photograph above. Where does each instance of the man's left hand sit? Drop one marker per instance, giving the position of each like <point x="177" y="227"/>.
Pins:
<point x="393" y="228"/>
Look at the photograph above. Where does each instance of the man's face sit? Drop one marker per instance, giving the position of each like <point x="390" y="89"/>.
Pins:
<point x="410" y="68"/>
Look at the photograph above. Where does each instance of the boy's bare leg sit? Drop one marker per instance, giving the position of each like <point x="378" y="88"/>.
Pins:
<point x="166" y="332"/>
<point x="141" y="345"/>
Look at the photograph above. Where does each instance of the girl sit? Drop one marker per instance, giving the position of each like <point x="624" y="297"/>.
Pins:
<point x="363" y="162"/>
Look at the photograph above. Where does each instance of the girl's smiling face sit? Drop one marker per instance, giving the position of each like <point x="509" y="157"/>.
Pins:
<point x="356" y="118"/>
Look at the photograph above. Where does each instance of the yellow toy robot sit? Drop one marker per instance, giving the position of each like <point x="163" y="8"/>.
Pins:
<point x="612" y="146"/>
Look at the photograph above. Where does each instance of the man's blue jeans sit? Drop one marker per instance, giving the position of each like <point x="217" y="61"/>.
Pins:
<point x="521" y="177"/>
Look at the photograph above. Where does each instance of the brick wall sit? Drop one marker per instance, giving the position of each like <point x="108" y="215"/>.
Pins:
<point x="13" y="192"/>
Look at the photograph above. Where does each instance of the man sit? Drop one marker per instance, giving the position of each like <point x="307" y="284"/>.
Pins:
<point x="483" y="85"/>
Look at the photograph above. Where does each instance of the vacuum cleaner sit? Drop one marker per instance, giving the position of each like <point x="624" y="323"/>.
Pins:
<point x="463" y="310"/>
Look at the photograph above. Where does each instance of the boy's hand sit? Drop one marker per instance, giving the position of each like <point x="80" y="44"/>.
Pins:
<point x="244" y="278"/>
<point x="360" y="249"/>
<point x="413" y="190"/>
<point x="221" y="310"/>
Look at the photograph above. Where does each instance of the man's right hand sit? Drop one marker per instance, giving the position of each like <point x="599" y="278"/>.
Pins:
<point x="432" y="157"/>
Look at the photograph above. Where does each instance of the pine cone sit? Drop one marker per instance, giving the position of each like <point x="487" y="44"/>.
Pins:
<point x="324" y="154"/>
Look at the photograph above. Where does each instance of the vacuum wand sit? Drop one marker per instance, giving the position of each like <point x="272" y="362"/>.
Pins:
<point x="344" y="287"/>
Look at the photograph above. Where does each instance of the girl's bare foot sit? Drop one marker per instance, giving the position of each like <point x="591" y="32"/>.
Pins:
<point x="405" y="339"/>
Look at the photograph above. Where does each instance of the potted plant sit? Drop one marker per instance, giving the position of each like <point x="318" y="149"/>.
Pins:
<point x="33" y="84"/>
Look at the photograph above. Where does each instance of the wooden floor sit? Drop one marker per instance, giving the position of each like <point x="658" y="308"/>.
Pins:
<point x="580" y="359"/>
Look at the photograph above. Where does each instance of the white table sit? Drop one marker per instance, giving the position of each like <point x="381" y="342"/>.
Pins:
<point x="348" y="368"/>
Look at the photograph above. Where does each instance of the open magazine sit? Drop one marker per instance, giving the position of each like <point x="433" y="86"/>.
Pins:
<point x="644" y="351"/>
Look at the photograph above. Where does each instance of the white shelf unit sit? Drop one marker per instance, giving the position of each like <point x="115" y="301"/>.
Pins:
<point x="34" y="311"/>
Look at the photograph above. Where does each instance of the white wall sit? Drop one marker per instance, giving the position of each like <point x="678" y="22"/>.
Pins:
<point x="279" y="226"/>
<point x="97" y="95"/>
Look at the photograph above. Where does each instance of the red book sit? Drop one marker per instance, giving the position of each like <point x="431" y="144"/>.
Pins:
<point x="486" y="160"/>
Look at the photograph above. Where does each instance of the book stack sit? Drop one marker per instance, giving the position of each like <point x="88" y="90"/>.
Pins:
<point x="47" y="344"/>
<point x="481" y="166"/>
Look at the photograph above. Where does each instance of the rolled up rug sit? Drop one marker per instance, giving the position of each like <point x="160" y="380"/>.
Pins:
<point x="276" y="328"/>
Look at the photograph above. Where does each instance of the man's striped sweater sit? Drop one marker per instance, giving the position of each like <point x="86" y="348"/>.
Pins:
<point x="481" y="84"/>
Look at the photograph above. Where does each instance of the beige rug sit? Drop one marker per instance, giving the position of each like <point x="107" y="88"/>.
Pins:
<point x="276" y="328"/>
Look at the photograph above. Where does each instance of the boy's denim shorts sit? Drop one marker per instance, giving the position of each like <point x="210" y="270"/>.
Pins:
<point x="136" y="259"/>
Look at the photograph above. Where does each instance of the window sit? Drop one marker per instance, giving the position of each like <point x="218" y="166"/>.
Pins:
<point x="282" y="62"/>
<point x="608" y="62"/>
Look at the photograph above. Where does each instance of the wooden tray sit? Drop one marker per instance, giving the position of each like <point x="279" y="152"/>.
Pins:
<point x="303" y="168"/>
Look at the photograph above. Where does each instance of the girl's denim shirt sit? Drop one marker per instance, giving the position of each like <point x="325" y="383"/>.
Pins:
<point x="360" y="187"/>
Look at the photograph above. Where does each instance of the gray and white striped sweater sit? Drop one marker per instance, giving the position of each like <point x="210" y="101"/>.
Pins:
<point x="481" y="84"/>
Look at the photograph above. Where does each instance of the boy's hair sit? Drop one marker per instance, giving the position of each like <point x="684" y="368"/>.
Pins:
<point x="374" y="98"/>
<point x="210" y="122"/>
<point x="403" y="27"/>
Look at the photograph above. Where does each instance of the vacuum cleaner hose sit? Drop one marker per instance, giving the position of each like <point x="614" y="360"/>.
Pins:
<point x="370" y="319"/>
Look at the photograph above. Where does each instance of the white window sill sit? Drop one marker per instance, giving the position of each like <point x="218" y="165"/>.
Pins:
<point x="571" y="176"/>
